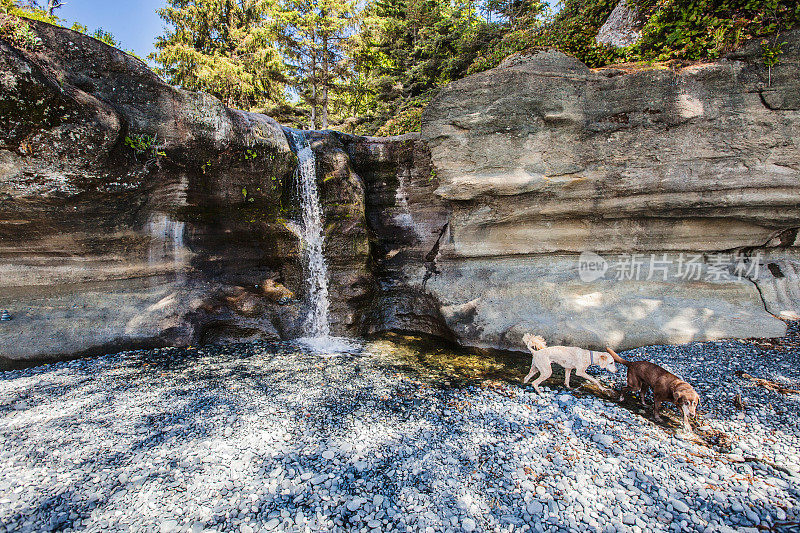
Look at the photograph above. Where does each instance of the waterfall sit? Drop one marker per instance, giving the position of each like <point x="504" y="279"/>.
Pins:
<point x="312" y="239"/>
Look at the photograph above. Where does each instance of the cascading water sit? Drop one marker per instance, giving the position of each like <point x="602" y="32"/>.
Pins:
<point x="317" y="325"/>
<point x="312" y="240"/>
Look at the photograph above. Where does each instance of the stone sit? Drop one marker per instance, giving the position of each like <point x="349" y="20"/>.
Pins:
<point x="623" y="26"/>
<point x="168" y="526"/>
<point x="605" y="440"/>
<point x="245" y="303"/>
<point x="109" y="271"/>
<point x="535" y="508"/>
<point x="679" y="505"/>
<point x="468" y="525"/>
<point x="328" y="454"/>
<point x="476" y="230"/>
<point x="272" y="523"/>
<point x="354" y="504"/>
<point x="275" y="291"/>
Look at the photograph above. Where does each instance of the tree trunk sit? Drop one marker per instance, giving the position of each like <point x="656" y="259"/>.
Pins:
<point x="52" y="5"/>
<point x="313" y="89"/>
<point x="324" y="82"/>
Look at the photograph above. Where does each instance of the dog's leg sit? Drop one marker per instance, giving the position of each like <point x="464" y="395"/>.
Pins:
<point x="633" y="384"/>
<point x="566" y="376"/>
<point x="532" y="373"/>
<point x="545" y="372"/>
<point x="626" y="388"/>
<point x="642" y="392"/>
<point x="656" y="408"/>
<point x="584" y="375"/>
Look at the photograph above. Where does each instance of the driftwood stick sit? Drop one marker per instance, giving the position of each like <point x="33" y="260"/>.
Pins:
<point x="767" y="384"/>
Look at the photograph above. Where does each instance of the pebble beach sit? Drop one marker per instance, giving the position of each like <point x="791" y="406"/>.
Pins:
<point x="274" y="437"/>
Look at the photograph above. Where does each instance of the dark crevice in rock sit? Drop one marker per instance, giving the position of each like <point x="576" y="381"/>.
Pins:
<point x="430" y="258"/>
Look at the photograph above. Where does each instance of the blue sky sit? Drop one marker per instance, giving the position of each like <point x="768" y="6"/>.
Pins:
<point x="133" y="23"/>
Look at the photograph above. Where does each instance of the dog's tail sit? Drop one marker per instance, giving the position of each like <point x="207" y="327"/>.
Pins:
<point x="617" y="358"/>
<point x="535" y="341"/>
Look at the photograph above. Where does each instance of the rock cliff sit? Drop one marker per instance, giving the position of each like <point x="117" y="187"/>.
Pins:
<point x="543" y="158"/>
<point x="132" y="213"/>
<point x="136" y="214"/>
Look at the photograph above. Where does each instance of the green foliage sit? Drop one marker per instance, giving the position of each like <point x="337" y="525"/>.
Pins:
<point x="771" y="52"/>
<point x="32" y="12"/>
<point x="16" y="30"/>
<point x="675" y="29"/>
<point x="225" y="48"/>
<point x="407" y="118"/>
<point x="144" y="144"/>
<point x="407" y="49"/>
<point x="404" y="121"/>
<point x="572" y="30"/>
<point x="314" y="37"/>
<point x="707" y="29"/>
<point x="101" y="35"/>
<point x="14" y="27"/>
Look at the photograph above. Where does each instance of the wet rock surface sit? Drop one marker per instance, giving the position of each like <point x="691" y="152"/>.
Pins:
<point x="267" y="437"/>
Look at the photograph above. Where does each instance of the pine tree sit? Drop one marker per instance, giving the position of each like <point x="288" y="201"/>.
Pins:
<point x="314" y="36"/>
<point x="223" y="47"/>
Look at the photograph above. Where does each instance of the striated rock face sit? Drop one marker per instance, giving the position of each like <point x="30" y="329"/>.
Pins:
<point x="406" y="222"/>
<point x="543" y="158"/>
<point x="136" y="214"/>
<point x="103" y="245"/>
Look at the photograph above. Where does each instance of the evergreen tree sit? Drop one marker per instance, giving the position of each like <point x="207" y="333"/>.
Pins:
<point x="409" y="48"/>
<point x="223" y="47"/>
<point x="314" y="35"/>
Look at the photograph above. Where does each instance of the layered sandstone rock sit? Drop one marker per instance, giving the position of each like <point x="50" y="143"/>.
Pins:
<point x="105" y="246"/>
<point x="136" y="214"/>
<point x="543" y="158"/>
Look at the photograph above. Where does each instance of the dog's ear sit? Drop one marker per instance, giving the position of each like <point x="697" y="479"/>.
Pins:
<point x="682" y="396"/>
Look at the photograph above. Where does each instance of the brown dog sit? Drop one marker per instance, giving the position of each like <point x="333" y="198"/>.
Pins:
<point x="667" y="387"/>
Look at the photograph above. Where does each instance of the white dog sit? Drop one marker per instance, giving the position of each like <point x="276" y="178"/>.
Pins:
<point x="567" y="356"/>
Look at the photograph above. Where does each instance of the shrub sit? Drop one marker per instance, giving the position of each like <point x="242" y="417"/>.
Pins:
<point x="144" y="144"/>
<point x="18" y="32"/>
<point x="675" y="29"/>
